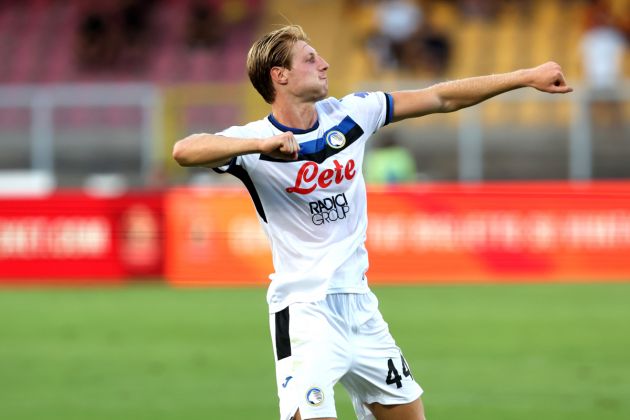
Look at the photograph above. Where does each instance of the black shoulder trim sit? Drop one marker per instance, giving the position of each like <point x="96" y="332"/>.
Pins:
<point x="242" y="174"/>
<point x="389" y="108"/>
<point x="231" y="163"/>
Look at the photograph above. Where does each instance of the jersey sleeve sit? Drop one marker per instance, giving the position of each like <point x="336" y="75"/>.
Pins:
<point x="246" y="162"/>
<point x="372" y="109"/>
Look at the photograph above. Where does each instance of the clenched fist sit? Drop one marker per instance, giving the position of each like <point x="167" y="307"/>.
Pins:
<point x="548" y="77"/>
<point x="283" y="146"/>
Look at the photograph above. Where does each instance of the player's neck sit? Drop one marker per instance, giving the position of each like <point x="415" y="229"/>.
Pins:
<point x="302" y="116"/>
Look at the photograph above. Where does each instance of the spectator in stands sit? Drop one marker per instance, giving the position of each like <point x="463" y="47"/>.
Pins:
<point x="480" y="9"/>
<point x="405" y="41"/>
<point x="95" y="50"/>
<point x="133" y="23"/>
<point x="204" y="27"/>
<point x="133" y="17"/>
<point x="388" y="162"/>
<point x="396" y="23"/>
<point x="114" y="36"/>
<point x="603" y="47"/>
<point x="427" y="52"/>
<point x="625" y="22"/>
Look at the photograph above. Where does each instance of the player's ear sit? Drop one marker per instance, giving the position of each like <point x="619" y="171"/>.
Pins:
<point x="279" y="75"/>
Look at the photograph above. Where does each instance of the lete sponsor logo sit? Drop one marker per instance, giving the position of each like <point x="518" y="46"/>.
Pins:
<point x="309" y="177"/>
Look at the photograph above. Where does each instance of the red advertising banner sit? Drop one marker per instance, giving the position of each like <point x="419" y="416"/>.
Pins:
<point x="501" y="232"/>
<point x="425" y="233"/>
<point x="213" y="237"/>
<point x="74" y="237"/>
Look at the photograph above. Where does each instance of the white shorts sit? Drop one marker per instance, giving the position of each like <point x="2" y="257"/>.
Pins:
<point x="342" y="338"/>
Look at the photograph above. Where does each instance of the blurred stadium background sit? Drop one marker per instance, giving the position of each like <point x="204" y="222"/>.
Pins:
<point x="527" y="196"/>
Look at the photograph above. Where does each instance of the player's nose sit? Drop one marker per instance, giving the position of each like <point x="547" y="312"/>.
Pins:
<point x="323" y="64"/>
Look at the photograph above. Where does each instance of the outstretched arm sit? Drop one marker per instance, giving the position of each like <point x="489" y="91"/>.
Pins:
<point x="458" y="94"/>
<point x="213" y="151"/>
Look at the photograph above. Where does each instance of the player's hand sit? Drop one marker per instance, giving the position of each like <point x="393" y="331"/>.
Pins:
<point x="283" y="146"/>
<point x="548" y="77"/>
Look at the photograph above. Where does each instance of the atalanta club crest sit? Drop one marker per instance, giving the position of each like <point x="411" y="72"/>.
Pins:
<point x="336" y="139"/>
<point x="315" y="396"/>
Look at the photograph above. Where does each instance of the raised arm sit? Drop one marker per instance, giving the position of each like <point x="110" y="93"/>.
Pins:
<point x="212" y="151"/>
<point x="458" y="94"/>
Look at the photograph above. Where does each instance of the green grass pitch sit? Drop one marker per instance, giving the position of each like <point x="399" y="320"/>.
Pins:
<point x="513" y="352"/>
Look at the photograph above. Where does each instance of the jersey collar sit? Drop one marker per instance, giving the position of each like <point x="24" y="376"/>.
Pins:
<point x="283" y="127"/>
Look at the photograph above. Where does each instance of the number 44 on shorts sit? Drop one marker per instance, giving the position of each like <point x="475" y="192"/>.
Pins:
<point x="393" y="377"/>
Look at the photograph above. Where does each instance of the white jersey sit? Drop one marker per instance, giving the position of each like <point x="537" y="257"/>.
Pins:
<point x="314" y="210"/>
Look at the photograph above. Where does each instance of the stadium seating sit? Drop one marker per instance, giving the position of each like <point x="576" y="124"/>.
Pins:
<point x="520" y="34"/>
<point x="42" y="37"/>
<point x="42" y="43"/>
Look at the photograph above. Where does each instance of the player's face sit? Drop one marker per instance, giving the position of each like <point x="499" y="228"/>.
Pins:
<point x="307" y="77"/>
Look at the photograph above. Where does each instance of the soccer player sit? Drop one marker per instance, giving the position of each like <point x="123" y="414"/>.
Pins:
<point x="302" y="167"/>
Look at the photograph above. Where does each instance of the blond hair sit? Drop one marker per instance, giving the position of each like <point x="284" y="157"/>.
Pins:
<point x="272" y="50"/>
